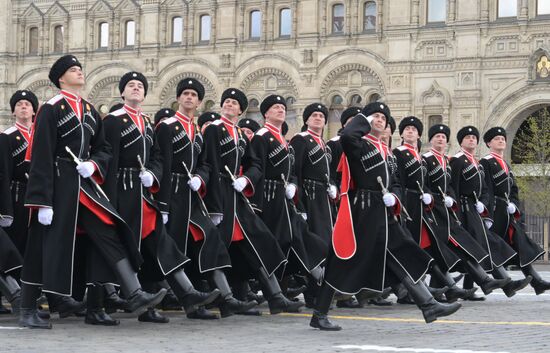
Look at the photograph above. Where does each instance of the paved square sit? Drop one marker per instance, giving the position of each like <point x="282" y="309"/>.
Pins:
<point x="517" y="325"/>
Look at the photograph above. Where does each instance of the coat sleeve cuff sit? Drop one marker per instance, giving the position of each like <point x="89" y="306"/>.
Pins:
<point x="97" y="176"/>
<point x="249" y="188"/>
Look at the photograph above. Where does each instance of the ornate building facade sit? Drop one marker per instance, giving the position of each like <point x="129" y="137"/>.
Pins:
<point x="478" y="62"/>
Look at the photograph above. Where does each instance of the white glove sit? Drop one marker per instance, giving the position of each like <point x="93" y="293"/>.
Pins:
<point x="290" y="191"/>
<point x="45" y="216"/>
<point x="85" y="169"/>
<point x="147" y="178"/>
<point x="449" y="202"/>
<point x="427" y="199"/>
<point x="164" y="218"/>
<point x="480" y="207"/>
<point x="194" y="183"/>
<point x="216" y="219"/>
<point x="389" y="200"/>
<point x="488" y="223"/>
<point x="6" y="222"/>
<point x="332" y="191"/>
<point x="239" y="184"/>
<point x="304" y="216"/>
<point x="512" y="208"/>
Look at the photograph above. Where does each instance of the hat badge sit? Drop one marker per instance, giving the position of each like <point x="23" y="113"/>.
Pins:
<point x="166" y="112"/>
<point x="73" y="58"/>
<point x="319" y="106"/>
<point x="248" y="121"/>
<point x="24" y="93"/>
<point x="381" y="106"/>
<point x="212" y="116"/>
<point x="470" y="129"/>
<point x="190" y="82"/>
<point x="441" y="128"/>
<point x="134" y="74"/>
<point x="232" y="92"/>
<point x="499" y="130"/>
<point x="278" y="98"/>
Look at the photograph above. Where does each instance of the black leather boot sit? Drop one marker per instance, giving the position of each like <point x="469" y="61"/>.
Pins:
<point x="112" y="301"/>
<point x="320" y="319"/>
<point x="402" y="294"/>
<point x="431" y="309"/>
<point x="380" y="301"/>
<point x="11" y="290"/>
<point x="152" y="315"/>
<point x="202" y="314"/>
<point x="28" y="314"/>
<point x="538" y="284"/>
<point x="454" y="292"/>
<point x="229" y="305"/>
<point x="188" y="296"/>
<point x="277" y="302"/>
<point x="511" y="288"/>
<point x="483" y="280"/>
<point x="350" y="303"/>
<point x="95" y="315"/>
<point x="138" y="300"/>
<point x="63" y="304"/>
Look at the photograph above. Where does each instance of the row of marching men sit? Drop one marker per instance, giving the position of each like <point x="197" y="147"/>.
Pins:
<point x="159" y="208"/>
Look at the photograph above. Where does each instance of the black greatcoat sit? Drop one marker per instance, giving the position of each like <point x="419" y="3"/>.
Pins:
<point x="312" y="169"/>
<point x="179" y="201"/>
<point x="124" y="188"/>
<point x="439" y="180"/>
<point x="272" y="159"/>
<point x="502" y="188"/>
<point x="412" y="172"/>
<point x="55" y="182"/>
<point x="10" y="257"/>
<point x="468" y="184"/>
<point x="363" y="213"/>
<point x="222" y="199"/>
<point x="13" y="183"/>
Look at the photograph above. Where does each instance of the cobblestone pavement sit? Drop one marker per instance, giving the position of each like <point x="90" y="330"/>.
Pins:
<point x="517" y="325"/>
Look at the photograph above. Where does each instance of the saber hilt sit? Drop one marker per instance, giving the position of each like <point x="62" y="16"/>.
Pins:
<point x="201" y="201"/>
<point x="233" y="178"/>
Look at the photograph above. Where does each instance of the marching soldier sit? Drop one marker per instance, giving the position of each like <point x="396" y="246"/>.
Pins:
<point x="68" y="160"/>
<point x="183" y="185"/>
<point x="503" y="210"/>
<point x="316" y="189"/>
<point x="250" y="243"/>
<point x="459" y="240"/>
<point x="467" y="181"/>
<point x="270" y="170"/>
<point x="206" y="119"/>
<point x="249" y="127"/>
<point x="135" y="171"/>
<point x="360" y="252"/>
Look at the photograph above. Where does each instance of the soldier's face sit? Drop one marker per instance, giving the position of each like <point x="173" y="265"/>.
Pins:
<point x="316" y="121"/>
<point x="276" y="114"/>
<point x="73" y="77"/>
<point x="498" y="143"/>
<point x="23" y="110"/>
<point x="439" y="142"/>
<point x="378" y="123"/>
<point x="248" y="133"/>
<point x="134" y="91"/>
<point x="189" y="99"/>
<point x="231" y="108"/>
<point x="410" y="134"/>
<point x="386" y="135"/>
<point x="469" y="142"/>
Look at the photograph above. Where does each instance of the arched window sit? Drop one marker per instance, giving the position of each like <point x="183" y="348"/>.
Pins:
<point x="177" y="30"/>
<point x="285" y="23"/>
<point x="507" y="8"/>
<point x="437" y="10"/>
<point x="205" y="28"/>
<point x="103" y="35"/>
<point x="338" y="16"/>
<point x="58" y="39"/>
<point x="33" y="40"/>
<point x="255" y="24"/>
<point x="375" y="97"/>
<point x="209" y="105"/>
<point x="130" y="33"/>
<point x="543" y="7"/>
<point x="355" y="100"/>
<point x="369" y="19"/>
